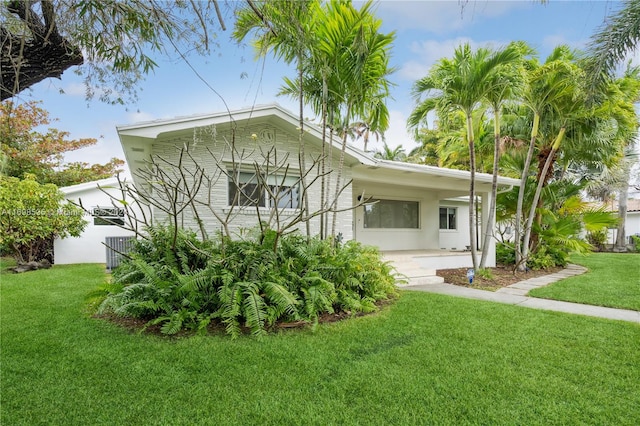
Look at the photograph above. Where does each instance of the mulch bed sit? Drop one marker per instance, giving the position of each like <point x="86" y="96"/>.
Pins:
<point x="137" y="325"/>
<point x="501" y="276"/>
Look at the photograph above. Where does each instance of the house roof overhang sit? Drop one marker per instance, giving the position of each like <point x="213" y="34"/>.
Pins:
<point x="87" y="186"/>
<point x="136" y="139"/>
<point x="448" y="182"/>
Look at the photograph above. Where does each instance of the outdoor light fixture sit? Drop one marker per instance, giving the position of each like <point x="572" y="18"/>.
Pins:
<point x="470" y="274"/>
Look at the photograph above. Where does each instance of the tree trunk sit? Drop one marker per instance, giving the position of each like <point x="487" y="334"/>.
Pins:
<point x="621" y="237"/>
<point x="301" y="158"/>
<point x="536" y="196"/>
<point x="520" y="260"/>
<point x="488" y="232"/>
<point x="343" y="149"/>
<point x="25" y="61"/>
<point x="472" y="193"/>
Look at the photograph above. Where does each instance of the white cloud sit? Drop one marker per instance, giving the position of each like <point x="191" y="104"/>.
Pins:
<point x="397" y="133"/>
<point x="426" y="53"/>
<point x="442" y="16"/>
<point x="75" y="89"/>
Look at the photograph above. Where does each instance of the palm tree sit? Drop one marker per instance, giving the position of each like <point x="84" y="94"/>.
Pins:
<point x="395" y="154"/>
<point x="460" y="83"/>
<point x="611" y="44"/>
<point x="504" y="83"/>
<point x="287" y="29"/>
<point x="545" y="86"/>
<point x="346" y="77"/>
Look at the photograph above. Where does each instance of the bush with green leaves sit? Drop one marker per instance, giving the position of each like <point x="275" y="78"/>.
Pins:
<point x="598" y="239"/>
<point x="176" y="280"/>
<point x="32" y="215"/>
<point x="505" y="254"/>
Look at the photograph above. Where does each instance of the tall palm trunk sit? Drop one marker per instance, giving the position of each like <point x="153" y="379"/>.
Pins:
<point x="488" y="232"/>
<point x="520" y="264"/>
<point x="301" y="154"/>
<point x="536" y="196"/>
<point x="623" y="196"/>
<point x="323" y="179"/>
<point x="343" y="150"/>
<point x="472" y="193"/>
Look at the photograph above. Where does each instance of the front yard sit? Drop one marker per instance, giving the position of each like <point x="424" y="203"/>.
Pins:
<point x="613" y="280"/>
<point x="427" y="359"/>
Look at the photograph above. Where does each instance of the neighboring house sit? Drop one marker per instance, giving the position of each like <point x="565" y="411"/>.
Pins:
<point x="401" y="206"/>
<point x="632" y="223"/>
<point x="90" y="247"/>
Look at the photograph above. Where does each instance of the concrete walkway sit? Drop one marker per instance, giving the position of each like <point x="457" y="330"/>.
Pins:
<point x="516" y="294"/>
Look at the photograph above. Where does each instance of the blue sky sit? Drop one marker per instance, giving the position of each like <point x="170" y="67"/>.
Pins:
<point x="425" y="32"/>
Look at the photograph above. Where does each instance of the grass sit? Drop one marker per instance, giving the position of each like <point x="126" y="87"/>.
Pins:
<point x="427" y="359"/>
<point x="613" y="280"/>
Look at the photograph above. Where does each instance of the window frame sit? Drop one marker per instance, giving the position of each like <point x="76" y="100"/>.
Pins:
<point x="385" y="201"/>
<point x="108" y="216"/>
<point x="448" y="218"/>
<point x="277" y="184"/>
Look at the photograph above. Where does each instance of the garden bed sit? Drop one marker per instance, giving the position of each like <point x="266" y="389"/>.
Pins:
<point x="499" y="277"/>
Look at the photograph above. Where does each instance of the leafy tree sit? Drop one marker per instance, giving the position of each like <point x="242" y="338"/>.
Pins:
<point x="342" y="62"/>
<point x="427" y="150"/>
<point x="32" y="215"/>
<point x="110" y="40"/>
<point x="394" y="154"/>
<point x="461" y="83"/>
<point x="611" y="43"/>
<point x="27" y="150"/>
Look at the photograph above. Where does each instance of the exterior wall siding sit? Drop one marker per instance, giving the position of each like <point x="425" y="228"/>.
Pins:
<point x="209" y="148"/>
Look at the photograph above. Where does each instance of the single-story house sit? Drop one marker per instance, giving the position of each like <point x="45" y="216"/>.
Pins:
<point x="400" y="207"/>
<point x="102" y="218"/>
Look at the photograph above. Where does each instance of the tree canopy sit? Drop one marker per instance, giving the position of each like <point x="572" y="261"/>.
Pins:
<point x="32" y="215"/>
<point x="112" y="41"/>
<point x="26" y="150"/>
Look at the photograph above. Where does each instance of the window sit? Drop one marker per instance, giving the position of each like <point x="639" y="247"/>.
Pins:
<point x="108" y="216"/>
<point x="448" y="218"/>
<point x="391" y="214"/>
<point x="272" y="191"/>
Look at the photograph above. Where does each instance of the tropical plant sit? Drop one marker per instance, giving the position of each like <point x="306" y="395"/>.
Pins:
<point x="244" y="284"/>
<point x="461" y="83"/>
<point x="611" y="43"/>
<point x="286" y="28"/>
<point x="387" y="153"/>
<point x="346" y="81"/>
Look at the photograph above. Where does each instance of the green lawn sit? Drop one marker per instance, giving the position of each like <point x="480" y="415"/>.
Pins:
<point x="613" y="280"/>
<point x="427" y="359"/>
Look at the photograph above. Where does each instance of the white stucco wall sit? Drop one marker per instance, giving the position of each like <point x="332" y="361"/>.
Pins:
<point x="424" y="238"/>
<point x="89" y="247"/>
<point x="632" y="227"/>
<point x="456" y="239"/>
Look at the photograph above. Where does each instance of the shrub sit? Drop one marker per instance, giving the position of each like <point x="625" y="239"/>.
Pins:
<point x="32" y="215"/>
<point x="505" y="254"/>
<point x="636" y="243"/>
<point x="598" y="239"/>
<point x="245" y="283"/>
<point x="548" y="256"/>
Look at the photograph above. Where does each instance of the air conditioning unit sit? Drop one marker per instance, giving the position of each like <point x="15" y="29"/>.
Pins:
<point x="116" y="246"/>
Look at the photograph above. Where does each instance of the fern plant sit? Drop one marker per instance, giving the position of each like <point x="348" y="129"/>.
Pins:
<point x="244" y="284"/>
